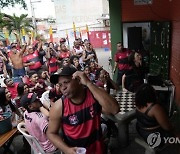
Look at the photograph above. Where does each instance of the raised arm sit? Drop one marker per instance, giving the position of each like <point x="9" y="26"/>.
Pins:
<point x="23" y="49"/>
<point x="2" y="55"/>
<point x="108" y="103"/>
<point x="4" y="70"/>
<point x="17" y="38"/>
<point x="47" y="53"/>
<point x="55" y="117"/>
<point x="29" y="39"/>
<point x="39" y="45"/>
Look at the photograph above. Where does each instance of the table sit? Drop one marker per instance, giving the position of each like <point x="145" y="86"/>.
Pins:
<point x="7" y="138"/>
<point x="126" y="101"/>
<point x="167" y="88"/>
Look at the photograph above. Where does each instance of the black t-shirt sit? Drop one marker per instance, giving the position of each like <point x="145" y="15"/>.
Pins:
<point x="134" y="78"/>
<point x="42" y="53"/>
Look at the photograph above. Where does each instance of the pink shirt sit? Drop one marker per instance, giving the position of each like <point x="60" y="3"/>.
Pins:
<point x="36" y="125"/>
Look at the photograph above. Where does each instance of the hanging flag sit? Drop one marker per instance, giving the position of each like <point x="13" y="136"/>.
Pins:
<point x="6" y="34"/>
<point x="74" y="29"/>
<point x="80" y="33"/>
<point x="67" y="38"/>
<point x="87" y="30"/>
<point x="23" y="34"/>
<point x="51" y="34"/>
<point x="32" y="36"/>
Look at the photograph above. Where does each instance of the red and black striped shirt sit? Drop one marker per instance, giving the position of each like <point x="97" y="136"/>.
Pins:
<point x="81" y="124"/>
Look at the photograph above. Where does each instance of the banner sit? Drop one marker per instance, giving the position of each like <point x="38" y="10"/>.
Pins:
<point x="51" y="34"/>
<point x="74" y="29"/>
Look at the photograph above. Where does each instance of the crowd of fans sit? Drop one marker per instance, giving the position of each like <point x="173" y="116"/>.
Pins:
<point x="25" y="72"/>
<point x="26" y="85"/>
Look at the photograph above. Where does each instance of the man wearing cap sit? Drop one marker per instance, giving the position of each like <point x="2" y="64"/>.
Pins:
<point x="78" y="112"/>
<point x="36" y="122"/>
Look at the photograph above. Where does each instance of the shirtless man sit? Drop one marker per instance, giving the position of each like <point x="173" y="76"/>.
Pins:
<point x="15" y="57"/>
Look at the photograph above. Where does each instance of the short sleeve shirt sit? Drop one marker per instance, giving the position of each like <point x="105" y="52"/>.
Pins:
<point x="36" y="124"/>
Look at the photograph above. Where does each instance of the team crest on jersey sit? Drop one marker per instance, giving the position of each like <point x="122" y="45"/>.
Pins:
<point x="73" y="119"/>
<point x="92" y="112"/>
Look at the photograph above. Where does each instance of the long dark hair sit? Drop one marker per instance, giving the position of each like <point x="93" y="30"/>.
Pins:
<point x="3" y="98"/>
<point x="4" y="101"/>
<point x="131" y="59"/>
<point x="145" y="94"/>
<point x="2" y="95"/>
<point x="20" y="88"/>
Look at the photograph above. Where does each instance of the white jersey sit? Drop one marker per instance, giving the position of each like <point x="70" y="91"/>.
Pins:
<point x="79" y="51"/>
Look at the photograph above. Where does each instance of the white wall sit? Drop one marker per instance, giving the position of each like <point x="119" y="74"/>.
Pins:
<point x="78" y="11"/>
<point x="127" y="25"/>
<point x="81" y="12"/>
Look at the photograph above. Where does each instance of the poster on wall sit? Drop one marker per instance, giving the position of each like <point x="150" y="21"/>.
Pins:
<point x="105" y="42"/>
<point x="104" y="35"/>
<point x="109" y="34"/>
<point x="97" y="36"/>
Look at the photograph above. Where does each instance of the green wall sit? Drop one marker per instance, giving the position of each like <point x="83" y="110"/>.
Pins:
<point x="115" y="26"/>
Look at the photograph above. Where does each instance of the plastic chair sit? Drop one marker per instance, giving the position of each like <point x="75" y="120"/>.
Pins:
<point x="35" y="146"/>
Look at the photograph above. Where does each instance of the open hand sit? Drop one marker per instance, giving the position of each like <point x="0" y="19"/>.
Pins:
<point x="32" y="63"/>
<point x="15" y="33"/>
<point x="81" y="76"/>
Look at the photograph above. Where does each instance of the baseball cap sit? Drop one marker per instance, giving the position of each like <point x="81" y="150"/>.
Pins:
<point x="28" y="99"/>
<point x="66" y="71"/>
<point x="62" y="40"/>
<point x="13" y="45"/>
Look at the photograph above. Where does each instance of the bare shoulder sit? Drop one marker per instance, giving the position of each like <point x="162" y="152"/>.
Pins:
<point x="56" y="109"/>
<point x="157" y="109"/>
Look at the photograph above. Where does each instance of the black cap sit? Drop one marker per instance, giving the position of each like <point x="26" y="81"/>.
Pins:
<point x="62" y="40"/>
<point x="28" y="99"/>
<point x="13" y="45"/>
<point x="66" y="71"/>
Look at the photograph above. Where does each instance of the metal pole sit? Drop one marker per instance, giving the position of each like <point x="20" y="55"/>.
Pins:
<point x="33" y="15"/>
